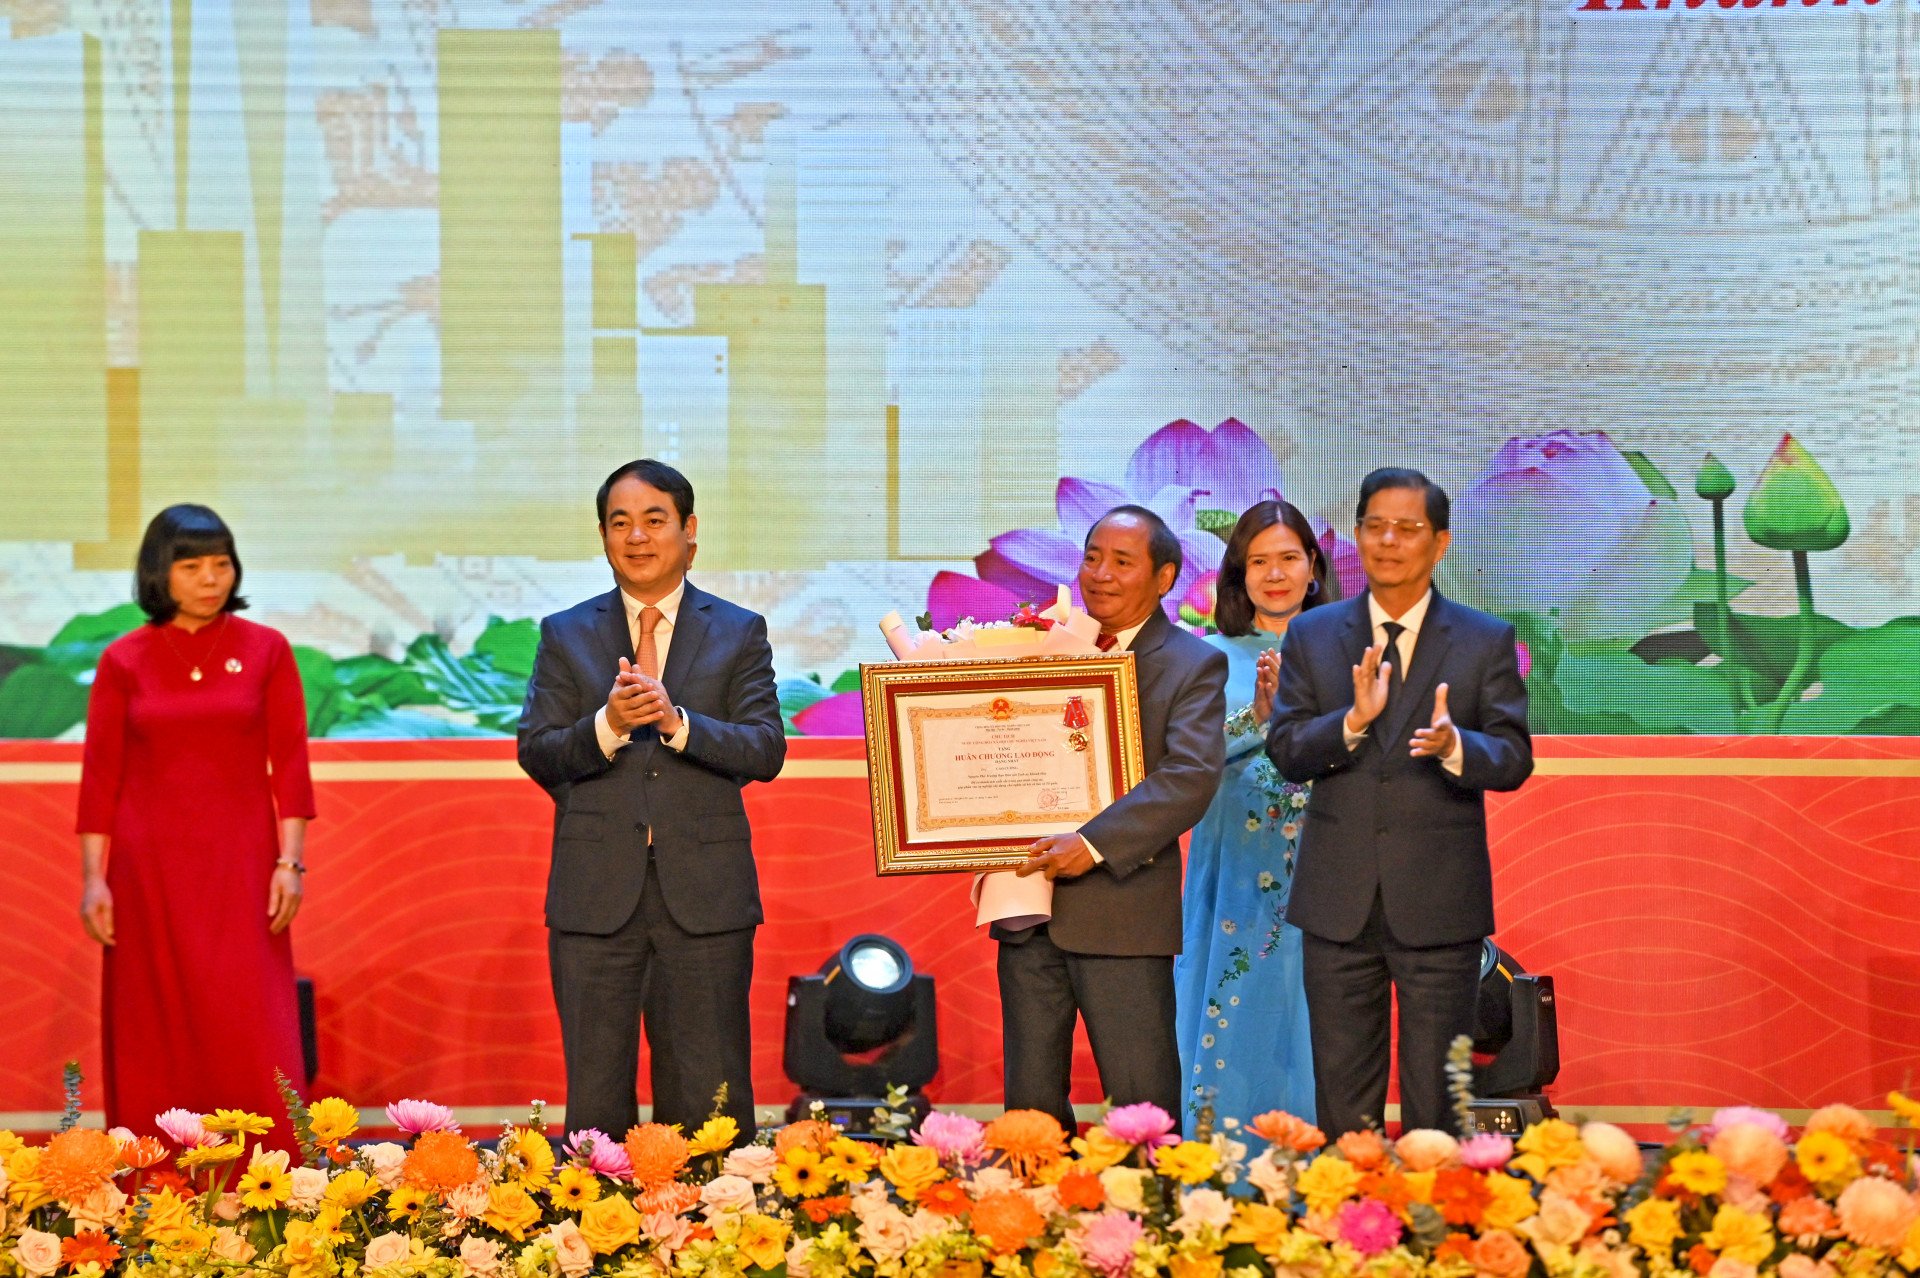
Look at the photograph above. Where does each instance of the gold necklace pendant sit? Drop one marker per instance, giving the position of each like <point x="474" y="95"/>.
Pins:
<point x="195" y="675"/>
<point x="234" y="666"/>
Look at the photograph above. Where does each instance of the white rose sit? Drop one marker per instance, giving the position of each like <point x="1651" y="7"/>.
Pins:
<point x="751" y="1162"/>
<point x="1270" y="1178"/>
<point x="387" y="1249"/>
<point x="308" y="1188"/>
<point x="570" y="1249"/>
<point x="229" y="1245"/>
<point x="37" y="1253"/>
<point x="479" y="1257"/>
<point x="1203" y="1209"/>
<point x="384" y="1161"/>
<point x="1126" y="1187"/>
<point x="726" y="1193"/>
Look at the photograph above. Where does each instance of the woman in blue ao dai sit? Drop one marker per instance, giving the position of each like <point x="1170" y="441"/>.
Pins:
<point x="1242" y="1007"/>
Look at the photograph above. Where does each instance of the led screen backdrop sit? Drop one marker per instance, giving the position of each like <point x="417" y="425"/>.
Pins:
<point x="912" y="289"/>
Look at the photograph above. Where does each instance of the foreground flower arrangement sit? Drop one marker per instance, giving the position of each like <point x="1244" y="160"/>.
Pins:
<point x="1012" y="1198"/>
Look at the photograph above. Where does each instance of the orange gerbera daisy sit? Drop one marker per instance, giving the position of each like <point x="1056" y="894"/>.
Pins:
<point x="1281" y="1129"/>
<point x="1006" y="1220"/>
<point x="1460" y="1195"/>
<point x="948" y="1198"/>
<point x="809" y="1134"/>
<point x="440" y="1162"/>
<point x="76" y="1163"/>
<point x="144" y="1151"/>
<point x="658" y="1153"/>
<point x="821" y="1210"/>
<point x="1364" y="1148"/>
<point x="89" y="1247"/>
<point x="1026" y="1140"/>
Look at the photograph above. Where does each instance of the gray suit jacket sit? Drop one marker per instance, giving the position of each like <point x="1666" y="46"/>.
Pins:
<point x="687" y="803"/>
<point x="1381" y="820"/>
<point x="1131" y="904"/>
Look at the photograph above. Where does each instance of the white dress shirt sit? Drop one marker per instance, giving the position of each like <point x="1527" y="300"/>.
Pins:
<point x="1413" y="618"/>
<point x="612" y="742"/>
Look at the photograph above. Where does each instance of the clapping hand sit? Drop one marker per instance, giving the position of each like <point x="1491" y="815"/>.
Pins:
<point x="1437" y="739"/>
<point x="1266" y="684"/>
<point x="1369" y="688"/>
<point x="637" y="700"/>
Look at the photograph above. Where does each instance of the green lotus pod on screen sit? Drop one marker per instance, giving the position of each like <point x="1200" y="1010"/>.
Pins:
<point x="1794" y="505"/>
<point x="1713" y="481"/>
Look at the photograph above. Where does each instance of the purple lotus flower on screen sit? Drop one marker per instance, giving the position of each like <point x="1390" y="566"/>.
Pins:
<point x="1565" y="523"/>
<point x="1142" y="1124"/>
<point x="953" y="1136"/>
<point x="416" y="1116"/>
<point x="1176" y="472"/>
<point x="595" y="1150"/>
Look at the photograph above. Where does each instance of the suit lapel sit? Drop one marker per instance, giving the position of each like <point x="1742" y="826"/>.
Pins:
<point x="1430" y="649"/>
<point x="689" y="632"/>
<point x="613" y="630"/>
<point x="1359" y="631"/>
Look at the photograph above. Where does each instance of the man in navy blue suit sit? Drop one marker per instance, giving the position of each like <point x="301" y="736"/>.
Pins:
<point x="1403" y="708"/>
<point x="649" y="709"/>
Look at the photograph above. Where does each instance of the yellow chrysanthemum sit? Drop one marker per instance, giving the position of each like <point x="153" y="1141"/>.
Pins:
<point x="1739" y="1234"/>
<point x="574" y="1188"/>
<point x="1100" y="1149"/>
<point x="1326" y="1183"/>
<point x="715" y="1136"/>
<point x="332" y="1119"/>
<point x="610" y="1224"/>
<point x="1510" y="1201"/>
<point x="535" y="1154"/>
<point x="167" y="1214"/>
<point x="265" y="1185"/>
<point x="407" y="1202"/>
<point x="762" y="1240"/>
<point x="237" y="1121"/>
<point x="1189" y="1162"/>
<point x="351" y="1188"/>
<point x="800" y="1174"/>
<point x="1826" y="1160"/>
<point x="511" y="1210"/>
<point x="1653" y="1225"/>
<point x="211" y="1155"/>
<point x="1697" y="1172"/>
<point x="1904" y="1107"/>
<point x="1547" y="1145"/>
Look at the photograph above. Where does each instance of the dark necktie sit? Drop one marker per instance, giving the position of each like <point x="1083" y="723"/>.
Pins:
<point x="1106" y="642"/>
<point x="1397" y="675"/>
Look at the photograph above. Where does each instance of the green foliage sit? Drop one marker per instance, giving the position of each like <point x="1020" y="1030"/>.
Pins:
<point x="1218" y="522"/>
<point x="40" y="700"/>
<point x="367" y="696"/>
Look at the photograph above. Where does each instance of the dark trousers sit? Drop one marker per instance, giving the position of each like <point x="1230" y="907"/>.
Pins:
<point x="1350" y="985"/>
<point x="691" y="991"/>
<point x="1127" y="1003"/>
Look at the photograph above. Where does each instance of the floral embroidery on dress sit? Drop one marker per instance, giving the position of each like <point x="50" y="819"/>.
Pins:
<point x="1285" y="804"/>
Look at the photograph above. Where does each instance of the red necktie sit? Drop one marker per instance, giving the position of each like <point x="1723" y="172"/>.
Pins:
<point x="1106" y="642"/>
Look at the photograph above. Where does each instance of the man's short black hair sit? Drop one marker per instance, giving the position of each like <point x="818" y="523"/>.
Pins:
<point x="655" y="474"/>
<point x="1438" y="507"/>
<point x="180" y="532"/>
<point x="1163" y="546"/>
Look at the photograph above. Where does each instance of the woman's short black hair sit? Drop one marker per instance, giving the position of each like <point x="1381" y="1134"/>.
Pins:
<point x="1233" y="609"/>
<point x="180" y="532"/>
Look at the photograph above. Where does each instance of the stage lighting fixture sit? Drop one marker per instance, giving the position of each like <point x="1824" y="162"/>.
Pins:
<point x="861" y="1025"/>
<point x="1516" y="1044"/>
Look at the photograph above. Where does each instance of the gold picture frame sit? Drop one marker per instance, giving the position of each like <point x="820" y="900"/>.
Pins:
<point x="968" y="762"/>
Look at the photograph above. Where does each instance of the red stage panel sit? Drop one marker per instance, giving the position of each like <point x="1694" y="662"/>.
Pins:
<point x="1717" y="933"/>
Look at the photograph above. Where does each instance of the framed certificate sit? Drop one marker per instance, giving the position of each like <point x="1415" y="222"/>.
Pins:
<point x="970" y="761"/>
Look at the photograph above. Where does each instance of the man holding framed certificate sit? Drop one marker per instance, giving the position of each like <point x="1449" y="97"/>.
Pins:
<point x="1106" y="955"/>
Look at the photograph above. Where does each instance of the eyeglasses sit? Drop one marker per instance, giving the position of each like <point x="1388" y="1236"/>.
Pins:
<point x="1376" y="527"/>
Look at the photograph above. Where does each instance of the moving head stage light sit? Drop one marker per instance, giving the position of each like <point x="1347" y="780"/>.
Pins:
<point x="863" y="1024"/>
<point x="1516" y="1044"/>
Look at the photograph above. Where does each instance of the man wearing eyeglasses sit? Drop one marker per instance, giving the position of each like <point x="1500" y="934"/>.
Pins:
<point x="1403" y="708"/>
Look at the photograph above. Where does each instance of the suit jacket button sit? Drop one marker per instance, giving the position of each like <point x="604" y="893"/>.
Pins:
<point x="653" y="774"/>
<point x="1381" y="832"/>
